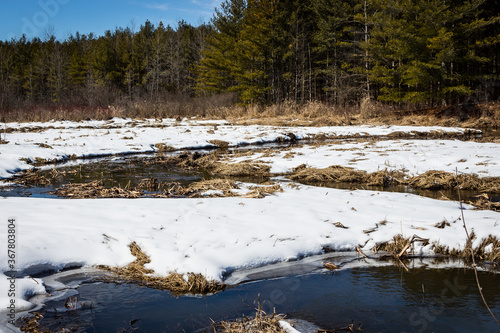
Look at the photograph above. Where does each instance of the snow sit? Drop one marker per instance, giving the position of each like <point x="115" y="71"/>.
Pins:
<point x="63" y="139"/>
<point x="287" y="327"/>
<point x="412" y="156"/>
<point x="214" y="236"/>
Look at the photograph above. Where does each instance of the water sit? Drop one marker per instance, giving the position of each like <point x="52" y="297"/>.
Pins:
<point x="380" y="299"/>
<point x="129" y="171"/>
<point x="124" y="172"/>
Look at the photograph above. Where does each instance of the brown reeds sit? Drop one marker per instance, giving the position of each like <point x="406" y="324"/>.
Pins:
<point x="31" y="324"/>
<point x="31" y="177"/>
<point x="260" y="323"/>
<point x="94" y="189"/>
<point x="176" y="283"/>
<point x="242" y="169"/>
<point x="433" y="180"/>
<point x="163" y="147"/>
<point x="263" y="190"/>
<point x="286" y="113"/>
<point x="217" y="188"/>
<point x="399" y="245"/>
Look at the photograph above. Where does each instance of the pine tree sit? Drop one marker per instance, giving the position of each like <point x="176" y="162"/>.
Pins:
<point x="218" y="57"/>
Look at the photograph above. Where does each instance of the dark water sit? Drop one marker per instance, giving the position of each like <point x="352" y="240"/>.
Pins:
<point x="380" y="299"/>
<point x="125" y="172"/>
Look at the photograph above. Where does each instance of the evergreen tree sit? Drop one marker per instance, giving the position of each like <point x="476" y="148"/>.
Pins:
<point x="218" y="58"/>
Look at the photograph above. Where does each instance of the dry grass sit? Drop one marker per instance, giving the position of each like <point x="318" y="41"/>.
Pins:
<point x="224" y="186"/>
<point x="219" y="143"/>
<point x="432" y="180"/>
<point x="94" y="189"/>
<point x="163" y="147"/>
<point x="31" y="178"/>
<point x="286" y="113"/>
<point x="176" y="283"/>
<point x="260" y="323"/>
<point x="242" y="169"/>
<point x="263" y="190"/>
<point x="335" y="173"/>
<point x="483" y="201"/>
<point x="212" y="163"/>
<point x="436" y="180"/>
<point x="487" y="250"/>
<point x="341" y="174"/>
<point x="31" y="324"/>
<point x="398" y="246"/>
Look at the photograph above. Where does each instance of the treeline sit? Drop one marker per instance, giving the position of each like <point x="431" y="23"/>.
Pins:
<point x="399" y="51"/>
<point x="86" y="70"/>
<point x="402" y="52"/>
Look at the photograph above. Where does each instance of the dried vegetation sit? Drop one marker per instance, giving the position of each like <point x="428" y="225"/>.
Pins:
<point x="31" y="324"/>
<point x="488" y="249"/>
<point x="260" y="323"/>
<point x="176" y="283"/>
<point x="94" y="189"/>
<point x="434" y="180"/>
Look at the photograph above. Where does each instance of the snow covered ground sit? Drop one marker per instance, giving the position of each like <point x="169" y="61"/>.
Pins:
<point x="411" y="156"/>
<point x="215" y="236"/>
<point x="60" y="140"/>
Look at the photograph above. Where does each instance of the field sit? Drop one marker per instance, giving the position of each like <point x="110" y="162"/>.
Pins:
<point x="274" y="193"/>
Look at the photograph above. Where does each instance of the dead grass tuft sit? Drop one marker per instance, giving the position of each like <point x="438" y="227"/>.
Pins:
<point x="260" y="323"/>
<point x="30" y="325"/>
<point x="176" y="283"/>
<point x="386" y="178"/>
<point x="263" y="191"/>
<point x="487" y="250"/>
<point x="399" y="244"/>
<point x="341" y="174"/>
<point x="483" y="201"/>
<point x="94" y="189"/>
<point x="149" y="184"/>
<point x="163" y="147"/>
<point x="224" y="186"/>
<point x="335" y="173"/>
<point x="31" y="178"/>
<point x="432" y="180"/>
<point x="219" y="143"/>
<point x="242" y="169"/>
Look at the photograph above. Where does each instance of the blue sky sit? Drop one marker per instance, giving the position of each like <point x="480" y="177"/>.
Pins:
<point x="64" y="17"/>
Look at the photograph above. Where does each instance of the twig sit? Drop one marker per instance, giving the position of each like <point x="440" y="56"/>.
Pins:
<point x="406" y="247"/>
<point x="469" y="241"/>
<point x="361" y="252"/>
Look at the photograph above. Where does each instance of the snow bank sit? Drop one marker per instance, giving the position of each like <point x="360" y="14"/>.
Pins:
<point x="412" y="156"/>
<point x="62" y="139"/>
<point x="214" y="236"/>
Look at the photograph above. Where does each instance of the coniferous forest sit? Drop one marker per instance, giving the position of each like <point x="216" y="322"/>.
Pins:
<point x="404" y="53"/>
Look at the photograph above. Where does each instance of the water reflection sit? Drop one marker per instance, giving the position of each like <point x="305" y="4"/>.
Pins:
<point x="381" y="299"/>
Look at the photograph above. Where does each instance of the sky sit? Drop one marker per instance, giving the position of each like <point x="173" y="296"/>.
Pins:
<point x="36" y="18"/>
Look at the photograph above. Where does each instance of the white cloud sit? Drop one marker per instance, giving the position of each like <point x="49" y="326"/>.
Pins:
<point x="158" y="6"/>
<point x="207" y="4"/>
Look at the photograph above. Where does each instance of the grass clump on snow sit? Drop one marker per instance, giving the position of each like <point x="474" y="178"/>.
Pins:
<point x="399" y="245"/>
<point x="341" y="174"/>
<point x="436" y="180"/>
<point x="177" y="284"/>
<point x="488" y="249"/>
